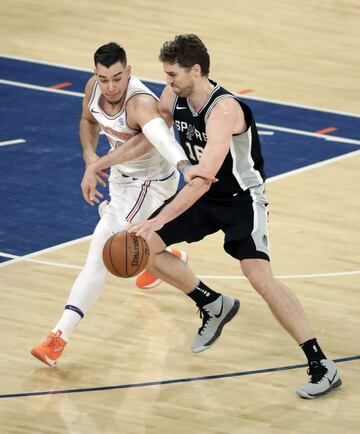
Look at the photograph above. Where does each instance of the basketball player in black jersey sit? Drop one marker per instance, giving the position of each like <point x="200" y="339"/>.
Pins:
<point x="219" y="136"/>
<point x="218" y="132"/>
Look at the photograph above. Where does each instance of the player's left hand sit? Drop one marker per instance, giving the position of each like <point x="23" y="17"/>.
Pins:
<point x="198" y="171"/>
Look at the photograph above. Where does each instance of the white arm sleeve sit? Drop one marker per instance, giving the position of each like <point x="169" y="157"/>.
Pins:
<point x="157" y="132"/>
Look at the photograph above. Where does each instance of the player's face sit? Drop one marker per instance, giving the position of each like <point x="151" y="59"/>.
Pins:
<point x="181" y="80"/>
<point x="113" y="81"/>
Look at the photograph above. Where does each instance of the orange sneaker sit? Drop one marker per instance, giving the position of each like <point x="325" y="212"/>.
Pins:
<point x="147" y="280"/>
<point x="51" y="349"/>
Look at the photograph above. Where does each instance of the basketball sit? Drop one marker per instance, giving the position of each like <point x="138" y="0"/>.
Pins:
<point x="125" y="254"/>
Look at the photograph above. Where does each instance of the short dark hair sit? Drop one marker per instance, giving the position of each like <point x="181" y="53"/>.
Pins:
<point x="109" y="54"/>
<point x="186" y="51"/>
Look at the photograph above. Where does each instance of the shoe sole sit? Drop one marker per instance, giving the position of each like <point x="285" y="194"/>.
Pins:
<point x="233" y="311"/>
<point x="305" y="395"/>
<point x="43" y="358"/>
<point x="151" y="285"/>
<point x="184" y="257"/>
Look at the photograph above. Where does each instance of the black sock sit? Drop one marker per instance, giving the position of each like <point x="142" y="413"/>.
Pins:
<point x="203" y="295"/>
<point x="312" y="350"/>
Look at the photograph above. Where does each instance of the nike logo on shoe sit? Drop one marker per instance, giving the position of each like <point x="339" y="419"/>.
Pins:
<point x="221" y="310"/>
<point x="49" y="361"/>
<point x="332" y="380"/>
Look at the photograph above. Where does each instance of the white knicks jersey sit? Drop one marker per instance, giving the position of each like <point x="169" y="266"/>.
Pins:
<point x="149" y="166"/>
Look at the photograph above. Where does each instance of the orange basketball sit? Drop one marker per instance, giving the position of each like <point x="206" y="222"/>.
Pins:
<point x="125" y="254"/>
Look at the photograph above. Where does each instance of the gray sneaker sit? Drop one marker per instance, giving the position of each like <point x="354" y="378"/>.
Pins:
<point x="324" y="377"/>
<point x="214" y="316"/>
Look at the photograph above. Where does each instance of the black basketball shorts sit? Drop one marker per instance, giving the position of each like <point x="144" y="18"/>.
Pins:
<point x="243" y="217"/>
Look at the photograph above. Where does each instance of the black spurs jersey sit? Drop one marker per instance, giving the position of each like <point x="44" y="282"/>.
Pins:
<point x="243" y="166"/>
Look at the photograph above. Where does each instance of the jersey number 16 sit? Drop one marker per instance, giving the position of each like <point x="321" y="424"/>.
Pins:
<point x="195" y="151"/>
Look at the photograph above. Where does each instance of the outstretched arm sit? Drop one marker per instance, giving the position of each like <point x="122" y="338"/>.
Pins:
<point x="133" y="148"/>
<point x="155" y="120"/>
<point x="94" y="172"/>
<point x="142" y="113"/>
<point x="222" y="123"/>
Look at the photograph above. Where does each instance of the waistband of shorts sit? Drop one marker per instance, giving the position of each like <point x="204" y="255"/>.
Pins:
<point x="138" y="179"/>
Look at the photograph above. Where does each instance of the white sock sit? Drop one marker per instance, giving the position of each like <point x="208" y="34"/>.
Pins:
<point x="67" y="323"/>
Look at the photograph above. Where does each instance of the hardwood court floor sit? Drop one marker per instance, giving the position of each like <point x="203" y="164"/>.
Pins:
<point x="299" y="51"/>
<point x="133" y="337"/>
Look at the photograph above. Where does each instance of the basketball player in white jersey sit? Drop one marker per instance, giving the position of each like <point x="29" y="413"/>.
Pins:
<point x="123" y="108"/>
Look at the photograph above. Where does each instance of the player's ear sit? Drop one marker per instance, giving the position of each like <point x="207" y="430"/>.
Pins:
<point x="196" y="69"/>
<point x="128" y="69"/>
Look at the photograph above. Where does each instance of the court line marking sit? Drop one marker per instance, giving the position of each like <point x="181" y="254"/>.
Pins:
<point x="43" y="62"/>
<point x="266" y="133"/>
<point x="302" y="106"/>
<point x="261" y="125"/>
<point x="12" y="142"/>
<point x="41" y="88"/>
<point x="29" y="256"/>
<point x="174" y="381"/>
<point x="326" y="130"/>
<point x="37" y="261"/>
<point x="313" y="166"/>
<point x="310" y="134"/>
<point x="274" y="178"/>
<point x="210" y="377"/>
<point x="63" y="84"/>
<point x="256" y="98"/>
<point x="287" y="276"/>
<point x="26" y="258"/>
